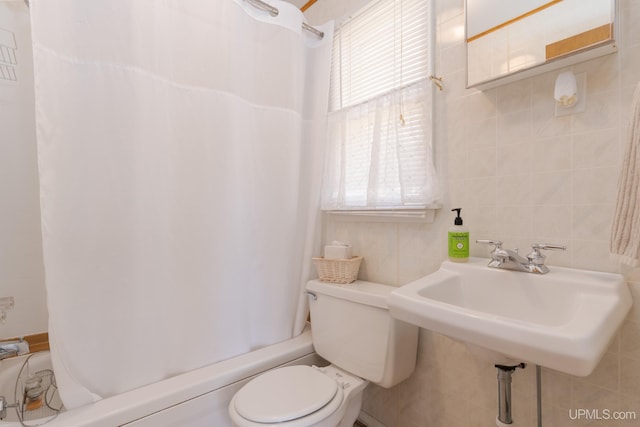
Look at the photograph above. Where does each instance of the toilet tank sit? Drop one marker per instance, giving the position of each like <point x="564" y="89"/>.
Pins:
<point x="352" y="328"/>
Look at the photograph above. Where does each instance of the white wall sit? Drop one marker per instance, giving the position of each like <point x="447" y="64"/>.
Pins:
<point x="338" y="10"/>
<point x="21" y="265"/>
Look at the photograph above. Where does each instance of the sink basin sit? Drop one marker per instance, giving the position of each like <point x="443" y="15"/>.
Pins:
<point x="562" y="320"/>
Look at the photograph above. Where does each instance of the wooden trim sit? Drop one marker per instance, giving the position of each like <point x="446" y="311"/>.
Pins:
<point x="511" y="21"/>
<point x="307" y="5"/>
<point x="37" y="342"/>
<point x="579" y="41"/>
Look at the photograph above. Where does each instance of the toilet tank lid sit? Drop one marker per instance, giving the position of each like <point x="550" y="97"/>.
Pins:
<point x="369" y="293"/>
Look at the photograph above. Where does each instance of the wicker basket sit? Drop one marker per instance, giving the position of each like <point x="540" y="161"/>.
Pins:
<point x="338" y="270"/>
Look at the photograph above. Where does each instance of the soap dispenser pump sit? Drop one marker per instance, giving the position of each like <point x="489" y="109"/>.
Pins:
<point x="458" y="239"/>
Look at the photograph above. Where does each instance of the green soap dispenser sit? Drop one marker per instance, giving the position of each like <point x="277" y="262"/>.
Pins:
<point x="458" y="240"/>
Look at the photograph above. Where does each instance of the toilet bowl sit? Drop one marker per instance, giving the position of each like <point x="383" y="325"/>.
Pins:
<point x="352" y="329"/>
<point x="299" y="396"/>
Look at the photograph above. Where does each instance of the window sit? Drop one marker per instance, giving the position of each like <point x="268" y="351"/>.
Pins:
<point x="379" y="155"/>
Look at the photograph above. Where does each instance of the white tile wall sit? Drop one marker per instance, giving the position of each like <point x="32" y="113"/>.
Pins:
<point x="521" y="175"/>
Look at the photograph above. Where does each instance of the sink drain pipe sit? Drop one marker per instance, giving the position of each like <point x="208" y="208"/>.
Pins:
<point x="504" y="394"/>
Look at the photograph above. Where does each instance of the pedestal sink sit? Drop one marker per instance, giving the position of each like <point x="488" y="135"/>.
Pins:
<point x="562" y="320"/>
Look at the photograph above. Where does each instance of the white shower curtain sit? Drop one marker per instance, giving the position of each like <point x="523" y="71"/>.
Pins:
<point x="179" y="145"/>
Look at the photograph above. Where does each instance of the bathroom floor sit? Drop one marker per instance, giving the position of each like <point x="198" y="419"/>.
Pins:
<point x="359" y="424"/>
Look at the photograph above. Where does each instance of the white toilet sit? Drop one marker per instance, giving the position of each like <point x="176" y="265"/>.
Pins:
<point x="351" y="328"/>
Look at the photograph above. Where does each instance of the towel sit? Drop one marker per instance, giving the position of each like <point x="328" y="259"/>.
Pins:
<point x="625" y="228"/>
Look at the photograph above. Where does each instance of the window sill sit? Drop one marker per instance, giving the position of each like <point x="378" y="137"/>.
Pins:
<point x="424" y="215"/>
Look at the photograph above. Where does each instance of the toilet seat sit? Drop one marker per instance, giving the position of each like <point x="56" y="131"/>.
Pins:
<point x="295" y="396"/>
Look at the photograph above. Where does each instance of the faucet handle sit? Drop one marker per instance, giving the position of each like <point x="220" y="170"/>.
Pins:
<point x="535" y="257"/>
<point x="496" y="243"/>
<point x="497" y="254"/>
<point x="548" y="246"/>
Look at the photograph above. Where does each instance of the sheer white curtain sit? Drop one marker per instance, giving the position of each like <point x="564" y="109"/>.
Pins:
<point x="377" y="162"/>
<point x="179" y="145"/>
<point x="380" y="148"/>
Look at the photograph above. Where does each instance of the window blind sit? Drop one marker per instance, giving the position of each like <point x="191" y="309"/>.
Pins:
<point x="383" y="48"/>
<point x="380" y="151"/>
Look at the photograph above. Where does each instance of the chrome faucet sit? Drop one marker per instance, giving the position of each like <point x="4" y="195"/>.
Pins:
<point x="13" y="348"/>
<point x="509" y="259"/>
<point x="3" y="407"/>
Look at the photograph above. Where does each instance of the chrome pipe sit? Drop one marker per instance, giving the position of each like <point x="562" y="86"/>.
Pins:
<point x="504" y="393"/>
<point x="258" y="4"/>
<point x="7" y="352"/>
<point x="313" y="30"/>
<point x="504" y="396"/>
<point x="13" y="348"/>
<point x="273" y="11"/>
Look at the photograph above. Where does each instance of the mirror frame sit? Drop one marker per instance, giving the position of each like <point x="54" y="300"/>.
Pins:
<point x="580" y="55"/>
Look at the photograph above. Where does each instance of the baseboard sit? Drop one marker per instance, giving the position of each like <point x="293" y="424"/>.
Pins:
<point x="368" y="420"/>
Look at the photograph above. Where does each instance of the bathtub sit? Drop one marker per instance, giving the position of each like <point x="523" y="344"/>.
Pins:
<point x="193" y="399"/>
<point x="9" y="372"/>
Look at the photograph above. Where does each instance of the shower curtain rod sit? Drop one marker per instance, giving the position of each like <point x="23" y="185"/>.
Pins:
<point x="273" y="11"/>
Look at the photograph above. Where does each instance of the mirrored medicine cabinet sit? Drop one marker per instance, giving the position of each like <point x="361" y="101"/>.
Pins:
<point x="508" y="40"/>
